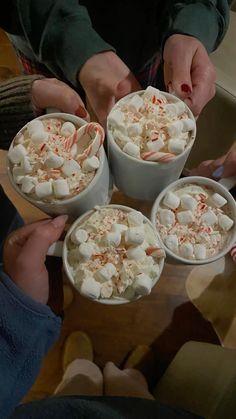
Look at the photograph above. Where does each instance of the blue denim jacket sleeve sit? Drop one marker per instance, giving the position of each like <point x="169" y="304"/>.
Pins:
<point x="27" y="331"/>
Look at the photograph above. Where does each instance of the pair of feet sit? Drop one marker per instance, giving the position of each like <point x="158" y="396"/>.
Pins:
<point x="78" y="345"/>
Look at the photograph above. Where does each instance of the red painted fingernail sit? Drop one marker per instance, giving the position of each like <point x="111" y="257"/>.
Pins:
<point x="186" y="88"/>
<point x="81" y="112"/>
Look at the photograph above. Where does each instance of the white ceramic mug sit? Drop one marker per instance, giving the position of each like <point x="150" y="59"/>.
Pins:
<point x="98" y="191"/>
<point x="61" y="249"/>
<point x="216" y="187"/>
<point x="142" y="179"/>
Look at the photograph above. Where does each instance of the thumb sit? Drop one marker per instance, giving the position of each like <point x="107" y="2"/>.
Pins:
<point x="126" y="86"/>
<point x="40" y="239"/>
<point x="177" y="68"/>
<point x="230" y="165"/>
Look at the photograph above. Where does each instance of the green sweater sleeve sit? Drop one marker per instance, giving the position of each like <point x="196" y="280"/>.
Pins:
<point x="60" y="34"/>
<point x="205" y="20"/>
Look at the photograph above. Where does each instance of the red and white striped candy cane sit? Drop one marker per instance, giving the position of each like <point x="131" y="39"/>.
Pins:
<point x="158" y="156"/>
<point x="233" y="252"/>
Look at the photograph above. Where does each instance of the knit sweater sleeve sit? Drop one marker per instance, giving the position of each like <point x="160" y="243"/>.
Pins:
<point x="205" y="20"/>
<point x="16" y="107"/>
<point x="27" y="330"/>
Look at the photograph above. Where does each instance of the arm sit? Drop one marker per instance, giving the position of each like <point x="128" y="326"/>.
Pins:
<point x="27" y="331"/>
<point x="28" y="327"/>
<point x="205" y="20"/>
<point x="60" y="34"/>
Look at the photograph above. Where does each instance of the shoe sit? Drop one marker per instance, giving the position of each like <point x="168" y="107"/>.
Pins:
<point x="77" y="346"/>
<point x="137" y="356"/>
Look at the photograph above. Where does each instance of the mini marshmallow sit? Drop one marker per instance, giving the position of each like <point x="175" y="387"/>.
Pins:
<point x="106" y="272"/>
<point x="35" y="125"/>
<point x="132" y="149"/>
<point x="172" y="242"/>
<point x="90" y="164"/>
<point x="134" y="235"/>
<point x="39" y="137"/>
<point x="120" y="137"/>
<point x="188" y="124"/>
<point x="135" y="218"/>
<point x="27" y="184"/>
<point x="225" y="222"/>
<point x="25" y="165"/>
<point x="106" y="289"/>
<point x="142" y="284"/>
<point x="181" y="108"/>
<point x="151" y="91"/>
<point x="69" y="167"/>
<point x="67" y="129"/>
<point x="61" y="188"/>
<point x="185" y="217"/>
<point x="17" y="153"/>
<point x="136" y="253"/>
<point x="119" y="228"/>
<point x="116" y="118"/>
<point x="176" y="146"/>
<point x="171" y="200"/>
<point x="53" y="161"/>
<point x="200" y="251"/>
<point x="74" y="150"/>
<point x="43" y="189"/>
<point x="79" y="236"/>
<point x="17" y="171"/>
<point x="18" y="179"/>
<point x="155" y="145"/>
<point x="134" y="129"/>
<point x="112" y="239"/>
<point x="218" y="200"/>
<point x="209" y="218"/>
<point x="171" y="109"/>
<point x="188" y="202"/>
<point x="90" y="288"/>
<point x="175" y="128"/>
<point x="186" y="250"/>
<point x="154" y="271"/>
<point x="86" y="250"/>
<point x="135" y="103"/>
<point x="167" y="217"/>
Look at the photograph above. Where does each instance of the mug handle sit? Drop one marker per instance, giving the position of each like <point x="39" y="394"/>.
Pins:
<point x="55" y="249"/>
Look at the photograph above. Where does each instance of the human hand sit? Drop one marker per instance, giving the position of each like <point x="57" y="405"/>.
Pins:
<point x="188" y="71"/>
<point x="56" y="94"/>
<point x="223" y="167"/>
<point x="105" y="79"/>
<point x="24" y="256"/>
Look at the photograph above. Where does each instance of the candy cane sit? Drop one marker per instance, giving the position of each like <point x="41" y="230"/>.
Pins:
<point x="158" y="156"/>
<point x="156" y="252"/>
<point x="233" y="253"/>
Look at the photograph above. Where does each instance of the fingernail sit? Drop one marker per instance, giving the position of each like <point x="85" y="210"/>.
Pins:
<point x="186" y="88"/>
<point x="169" y="87"/>
<point x="60" y="221"/>
<point x="218" y="172"/>
<point x="81" y="112"/>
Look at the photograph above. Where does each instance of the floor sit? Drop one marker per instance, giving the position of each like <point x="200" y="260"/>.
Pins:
<point x="165" y="319"/>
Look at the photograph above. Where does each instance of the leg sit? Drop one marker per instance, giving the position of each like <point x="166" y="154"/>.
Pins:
<point x="81" y="375"/>
<point x="128" y="383"/>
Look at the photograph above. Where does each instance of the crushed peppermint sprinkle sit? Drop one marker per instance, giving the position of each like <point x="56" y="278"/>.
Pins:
<point x="194" y="222"/>
<point x="114" y="253"/>
<point x="148" y="127"/>
<point x="53" y="159"/>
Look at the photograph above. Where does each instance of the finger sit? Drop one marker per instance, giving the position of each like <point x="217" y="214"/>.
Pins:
<point x="178" y="61"/>
<point x="126" y="86"/>
<point x="35" y="249"/>
<point x="230" y="165"/>
<point x="203" y="79"/>
<point x="19" y="236"/>
<point x="203" y="169"/>
<point x="56" y="94"/>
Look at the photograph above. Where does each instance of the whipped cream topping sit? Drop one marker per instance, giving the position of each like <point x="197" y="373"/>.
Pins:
<point x="114" y="254"/>
<point x="47" y="161"/>
<point x="194" y="222"/>
<point x="149" y="127"/>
